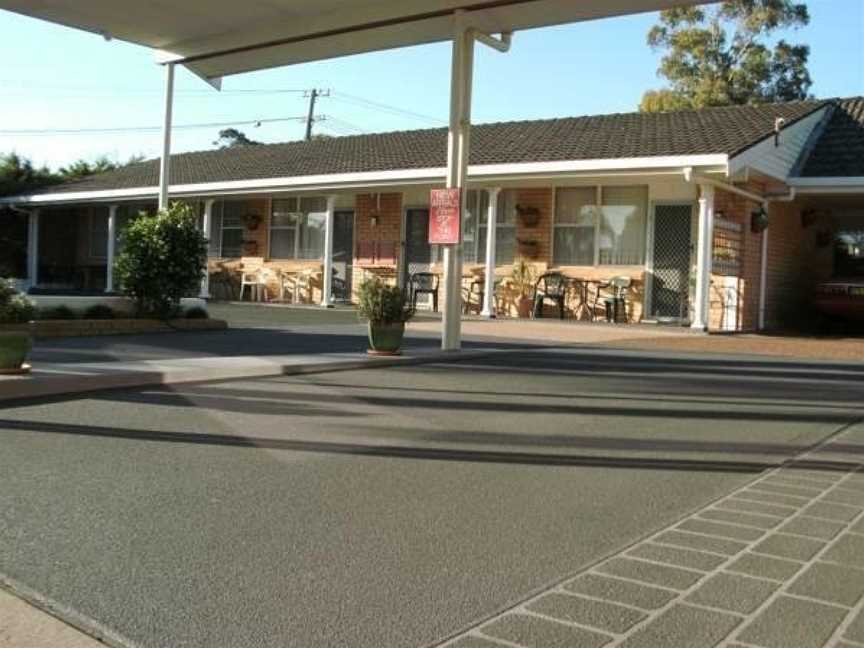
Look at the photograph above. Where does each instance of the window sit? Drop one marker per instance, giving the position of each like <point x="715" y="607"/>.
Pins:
<point x="476" y="208"/>
<point x="227" y="228"/>
<point x="475" y="227"/>
<point x="297" y="228"/>
<point x="575" y="224"/>
<point x="622" y="226"/>
<point x="612" y="233"/>
<point x="98" y="233"/>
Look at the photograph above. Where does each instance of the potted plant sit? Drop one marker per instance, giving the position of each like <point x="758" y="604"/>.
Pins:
<point x="522" y="279"/>
<point x="15" y="340"/>
<point x="529" y="216"/>
<point x="759" y="220"/>
<point x="386" y="308"/>
<point x="251" y="220"/>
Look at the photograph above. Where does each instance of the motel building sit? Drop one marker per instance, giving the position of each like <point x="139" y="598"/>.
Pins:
<point x="722" y="219"/>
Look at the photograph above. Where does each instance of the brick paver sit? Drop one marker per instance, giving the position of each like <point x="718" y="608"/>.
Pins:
<point x="779" y="562"/>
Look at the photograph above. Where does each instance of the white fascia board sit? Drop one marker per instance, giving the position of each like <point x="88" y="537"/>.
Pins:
<point x="842" y="181"/>
<point x="532" y="170"/>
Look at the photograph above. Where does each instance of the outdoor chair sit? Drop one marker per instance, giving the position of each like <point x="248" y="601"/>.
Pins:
<point x="423" y="283"/>
<point x="302" y="281"/>
<point x="474" y="296"/>
<point x="615" y="299"/>
<point x="551" y="286"/>
<point x="255" y="281"/>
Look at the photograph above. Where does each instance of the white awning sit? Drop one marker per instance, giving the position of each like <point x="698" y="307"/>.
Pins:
<point x="216" y="38"/>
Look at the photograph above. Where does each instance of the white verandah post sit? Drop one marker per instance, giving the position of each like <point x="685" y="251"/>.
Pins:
<point x="165" y="162"/>
<point x="206" y="225"/>
<point x="109" y="253"/>
<point x="458" y="142"/>
<point x="491" y="253"/>
<point x="33" y="248"/>
<point x="704" y="257"/>
<point x="327" y="281"/>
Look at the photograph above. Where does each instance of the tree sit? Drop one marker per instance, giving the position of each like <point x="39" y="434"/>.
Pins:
<point x="163" y="259"/>
<point x="19" y="176"/>
<point x="231" y="137"/>
<point x="83" y="168"/>
<point x="723" y="55"/>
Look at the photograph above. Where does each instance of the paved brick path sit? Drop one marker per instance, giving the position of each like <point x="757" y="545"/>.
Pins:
<point x="778" y="563"/>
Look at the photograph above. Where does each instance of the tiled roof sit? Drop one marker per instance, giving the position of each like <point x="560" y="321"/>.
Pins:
<point x="709" y="131"/>
<point x="839" y="151"/>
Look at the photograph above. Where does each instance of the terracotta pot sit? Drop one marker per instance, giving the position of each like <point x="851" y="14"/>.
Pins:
<point x="524" y="305"/>
<point x="15" y="346"/>
<point x="386" y="339"/>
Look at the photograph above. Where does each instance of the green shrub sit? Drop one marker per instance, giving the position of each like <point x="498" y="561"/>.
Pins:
<point x="197" y="312"/>
<point x="99" y="312"/>
<point x="381" y="303"/>
<point x="57" y="313"/>
<point x="163" y="259"/>
<point x="14" y="307"/>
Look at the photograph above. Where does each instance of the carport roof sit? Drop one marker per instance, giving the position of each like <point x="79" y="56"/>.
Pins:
<point x="839" y="150"/>
<point x="727" y="130"/>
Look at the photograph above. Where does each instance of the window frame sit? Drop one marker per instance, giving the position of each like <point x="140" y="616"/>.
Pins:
<point x="300" y="222"/>
<point x="596" y="226"/>
<point x="223" y="228"/>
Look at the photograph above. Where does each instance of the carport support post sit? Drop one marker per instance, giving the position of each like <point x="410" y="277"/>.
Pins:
<point x="458" y="142"/>
<point x="165" y="162"/>
<point x="704" y="257"/>
<point x="491" y="252"/>
<point x="205" y="229"/>
<point x="109" y="253"/>
<point x="33" y="248"/>
<point x="327" y="281"/>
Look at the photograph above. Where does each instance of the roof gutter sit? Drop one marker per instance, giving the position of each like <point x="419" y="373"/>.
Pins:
<point x="367" y="180"/>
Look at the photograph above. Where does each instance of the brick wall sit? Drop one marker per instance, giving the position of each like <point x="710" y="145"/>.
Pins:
<point x="386" y="208"/>
<point x="795" y="264"/>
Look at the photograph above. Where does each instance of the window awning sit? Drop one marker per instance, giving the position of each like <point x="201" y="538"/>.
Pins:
<point x="216" y="38"/>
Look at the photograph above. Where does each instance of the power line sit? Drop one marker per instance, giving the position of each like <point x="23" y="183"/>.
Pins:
<point x="377" y="105"/>
<point x="144" y="129"/>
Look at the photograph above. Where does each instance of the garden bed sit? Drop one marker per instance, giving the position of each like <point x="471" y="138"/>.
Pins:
<point x="88" y="327"/>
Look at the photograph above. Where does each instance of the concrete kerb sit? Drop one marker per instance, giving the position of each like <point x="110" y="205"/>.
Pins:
<point x="64" y="379"/>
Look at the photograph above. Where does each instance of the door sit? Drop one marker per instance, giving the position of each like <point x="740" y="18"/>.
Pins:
<point x="343" y="246"/>
<point x="670" y="286"/>
<point x="418" y="252"/>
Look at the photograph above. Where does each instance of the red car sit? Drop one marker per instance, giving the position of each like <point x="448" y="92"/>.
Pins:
<point x="841" y="299"/>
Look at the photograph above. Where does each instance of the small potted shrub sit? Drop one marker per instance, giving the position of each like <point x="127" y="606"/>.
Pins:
<point x="522" y="279"/>
<point x="15" y="341"/>
<point x="386" y="308"/>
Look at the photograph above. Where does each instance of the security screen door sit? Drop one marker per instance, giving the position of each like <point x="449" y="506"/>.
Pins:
<point x="670" y="290"/>
<point x="418" y="252"/>
<point x="343" y="252"/>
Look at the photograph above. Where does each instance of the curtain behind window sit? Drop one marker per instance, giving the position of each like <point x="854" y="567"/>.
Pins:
<point x="623" y="218"/>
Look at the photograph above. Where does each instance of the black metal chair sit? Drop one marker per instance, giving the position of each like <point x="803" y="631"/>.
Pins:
<point x="423" y="283"/>
<point x="551" y="286"/>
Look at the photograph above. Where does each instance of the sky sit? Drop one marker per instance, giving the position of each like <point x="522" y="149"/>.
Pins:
<point x="59" y="78"/>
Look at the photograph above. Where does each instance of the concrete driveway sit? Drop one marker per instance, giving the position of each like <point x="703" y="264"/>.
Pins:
<point x="384" y="508"/>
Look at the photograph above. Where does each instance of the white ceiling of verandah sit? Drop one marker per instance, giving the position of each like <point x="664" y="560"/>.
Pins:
<point x="216" y="38"/>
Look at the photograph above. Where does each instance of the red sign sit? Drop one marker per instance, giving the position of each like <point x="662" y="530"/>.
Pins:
<point x="445" y="222"/>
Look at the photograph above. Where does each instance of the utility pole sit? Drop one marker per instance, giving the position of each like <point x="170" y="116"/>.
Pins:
<point x="313" y="94"/>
